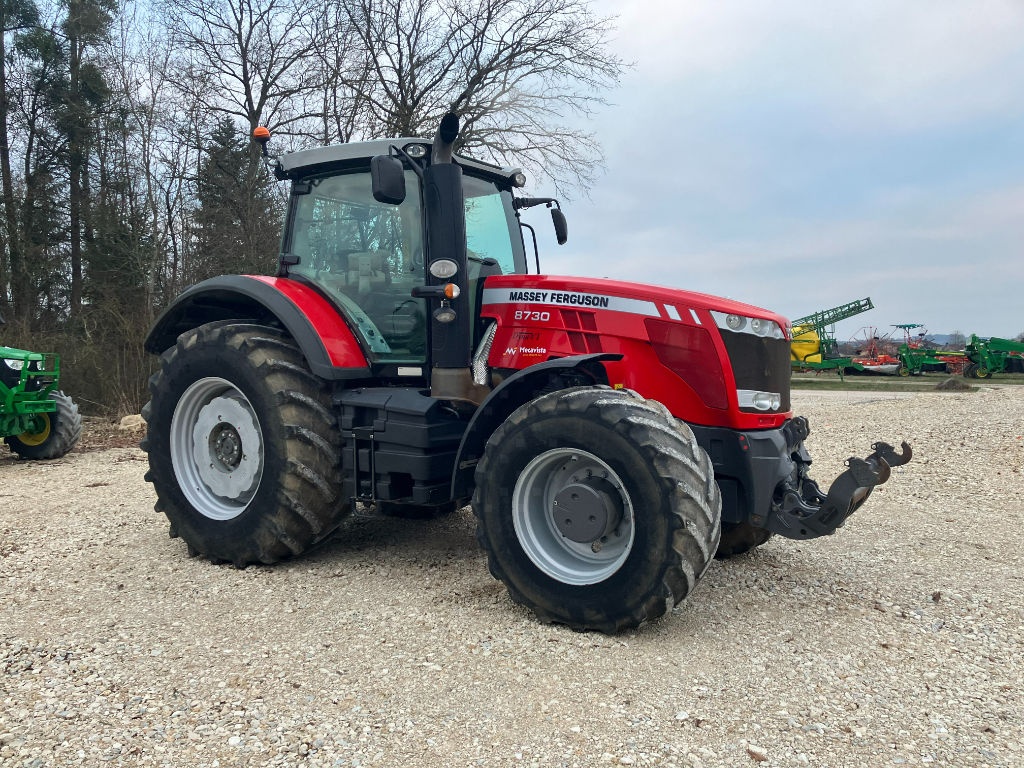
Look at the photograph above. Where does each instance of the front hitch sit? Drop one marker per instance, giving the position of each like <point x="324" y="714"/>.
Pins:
<point x="802" y="511"/>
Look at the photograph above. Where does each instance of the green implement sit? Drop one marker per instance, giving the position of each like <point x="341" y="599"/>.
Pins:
<point x="993" y="355"/>
<point x="814" y="347"/>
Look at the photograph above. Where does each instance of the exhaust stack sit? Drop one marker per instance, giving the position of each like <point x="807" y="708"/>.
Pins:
<point x="451" y="325"/>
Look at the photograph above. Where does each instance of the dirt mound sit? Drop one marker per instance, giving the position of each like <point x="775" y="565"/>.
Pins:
<point x="953" y="384"/>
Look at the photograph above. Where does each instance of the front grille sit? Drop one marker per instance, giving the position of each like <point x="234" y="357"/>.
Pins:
<point x="759" y="363"/>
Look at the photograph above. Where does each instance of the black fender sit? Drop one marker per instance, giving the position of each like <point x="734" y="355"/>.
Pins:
<point x="519" y="388"/>
<point x="304" y="314"/>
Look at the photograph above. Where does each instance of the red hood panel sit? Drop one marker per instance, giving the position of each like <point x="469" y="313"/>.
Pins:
<point x="541" y="317"/>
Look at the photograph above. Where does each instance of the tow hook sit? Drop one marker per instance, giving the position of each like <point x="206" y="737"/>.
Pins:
<point x="802" y="511"/>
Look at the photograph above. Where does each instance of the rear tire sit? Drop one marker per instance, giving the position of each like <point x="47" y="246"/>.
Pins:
<point x="60" y="433"/>
<point x="638" y="510"/>
<point x="244" y="450"/>
<point x="738" y="538"/>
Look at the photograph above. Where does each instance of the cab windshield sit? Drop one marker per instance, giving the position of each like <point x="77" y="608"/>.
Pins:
<point x="367" y="256"/>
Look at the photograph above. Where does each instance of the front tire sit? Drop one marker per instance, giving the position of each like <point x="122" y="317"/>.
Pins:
<point x="596" y="508"/>
<point x="244" y="451"/>
<point x="59" y="432"/>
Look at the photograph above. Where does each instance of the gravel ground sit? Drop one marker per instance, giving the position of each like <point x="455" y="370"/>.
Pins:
<point x="898" y="641"/>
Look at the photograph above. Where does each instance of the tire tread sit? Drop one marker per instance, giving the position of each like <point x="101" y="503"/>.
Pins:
<point x="684" y="473"/>
<point x="308" y="499"/>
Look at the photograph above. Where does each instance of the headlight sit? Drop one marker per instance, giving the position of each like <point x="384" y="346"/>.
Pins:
<point x="15" y="365"/>
<point x="757" y="326"/>
<point x="415" y="150"/>
<point x="761" y="401"/>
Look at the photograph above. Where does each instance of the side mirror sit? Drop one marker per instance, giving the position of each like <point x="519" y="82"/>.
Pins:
<point x="561" y="226"/>
<point x="388" y="177"/>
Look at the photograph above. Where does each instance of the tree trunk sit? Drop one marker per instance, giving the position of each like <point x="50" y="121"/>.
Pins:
<point x="76" y="153"/>
<point x="12" y="265"/>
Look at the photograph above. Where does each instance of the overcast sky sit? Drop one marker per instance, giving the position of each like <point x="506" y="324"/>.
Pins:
<point x="801" y="154"/>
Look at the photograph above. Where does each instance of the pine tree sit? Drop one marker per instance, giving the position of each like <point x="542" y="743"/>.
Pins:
<point x="238" y="221"/>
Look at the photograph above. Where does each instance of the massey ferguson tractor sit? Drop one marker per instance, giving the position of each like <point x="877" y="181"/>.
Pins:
<point x="611" y="437"/>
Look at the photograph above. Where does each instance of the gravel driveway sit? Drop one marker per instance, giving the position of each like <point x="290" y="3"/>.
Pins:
<point x="900" y="640"/>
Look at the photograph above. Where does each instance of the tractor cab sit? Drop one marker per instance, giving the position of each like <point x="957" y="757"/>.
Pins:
<point x="370" y="258"/>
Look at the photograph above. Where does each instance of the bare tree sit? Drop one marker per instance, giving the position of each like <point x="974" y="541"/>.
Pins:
<point x="161" y="143"/>
<point x="523" y="74"/>
<point x="339" y="59"/>
<point x="248" y="59"/>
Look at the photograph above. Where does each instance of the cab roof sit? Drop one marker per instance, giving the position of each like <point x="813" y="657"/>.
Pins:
<point x="305" y="162"/>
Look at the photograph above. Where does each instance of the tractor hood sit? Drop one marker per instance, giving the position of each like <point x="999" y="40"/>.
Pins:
<point x="721" y="362"/>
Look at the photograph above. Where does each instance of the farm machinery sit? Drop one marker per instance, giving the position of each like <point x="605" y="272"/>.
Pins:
<point x="813" y="346"/>
<point x="993" y="355"/>
<point x="612" y="437"/>
<point x="915" y="358"/>
<point x="37" y="420"/>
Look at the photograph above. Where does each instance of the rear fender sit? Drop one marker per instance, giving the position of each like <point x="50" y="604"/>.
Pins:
<point x="519" y="388"/>
<point x="326" y="341"/>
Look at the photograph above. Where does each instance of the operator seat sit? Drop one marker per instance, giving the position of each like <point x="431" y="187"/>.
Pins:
<point x="368" y="282"/>
<point x="367" y="272"/>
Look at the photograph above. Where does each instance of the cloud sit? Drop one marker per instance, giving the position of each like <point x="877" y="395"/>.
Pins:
<point x="800" y="155"/>
<point x="940" y="262"/>
<point x="863" y="66"/>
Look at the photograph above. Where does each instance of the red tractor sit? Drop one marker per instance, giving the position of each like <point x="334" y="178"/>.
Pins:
<point x="611" y="437"/>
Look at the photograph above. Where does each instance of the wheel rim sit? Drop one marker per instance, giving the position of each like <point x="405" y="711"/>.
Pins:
<point x="573" y="516"/>
<point x="37" y="437"/>
<point x="216" y="448"/>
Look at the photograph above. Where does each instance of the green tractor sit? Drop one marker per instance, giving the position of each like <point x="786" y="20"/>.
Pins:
<point x="37" y="420"/>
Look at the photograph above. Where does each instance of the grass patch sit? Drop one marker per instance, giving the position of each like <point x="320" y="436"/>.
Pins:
<point x="928" y="382"/>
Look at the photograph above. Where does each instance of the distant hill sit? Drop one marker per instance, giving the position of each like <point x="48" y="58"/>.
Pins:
<point x="945" y="339"/>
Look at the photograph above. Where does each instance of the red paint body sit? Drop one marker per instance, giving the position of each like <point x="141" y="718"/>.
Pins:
<point x="532" y="331"/>
<point x="540" y="327"/>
